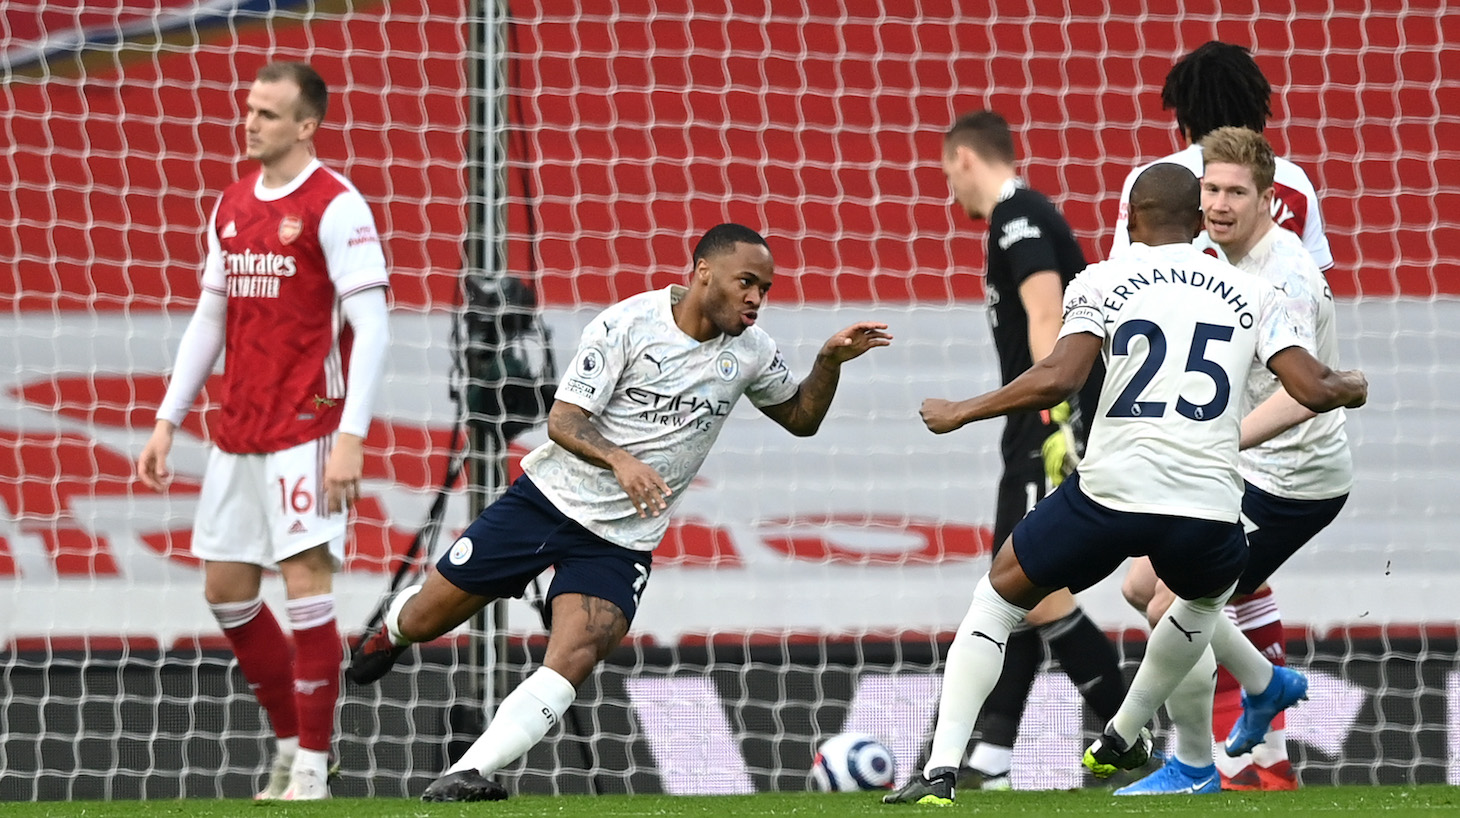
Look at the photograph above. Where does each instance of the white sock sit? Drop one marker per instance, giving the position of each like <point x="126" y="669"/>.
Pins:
<point x="1241" y="658"/>
<point x="310" y="611"/>
<point x="1274" y="748"/>
<point x="1177" y="642"/>
<point x="1229" y="766"/>
<point x="392" y="614"/>
<point x="522" y="719"/>
<point x="1190" y="708"/>
<point x="236" y="614"/>
<point x="286" y="748"/>
<point x="316" y="760"/>
<point x="991" y="759"/>
<point x="973" y="668"/>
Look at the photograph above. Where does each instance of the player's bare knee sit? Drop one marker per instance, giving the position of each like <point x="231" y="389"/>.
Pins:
<point x="222" y="596"/>
<point x="1160" y="602"/>
<point x="308" y="573"/>
<point x="1052" y="608"/>
<point x="573" y="661"/>
<point x="1007" y="578"/>
<point x="225" y="582"/>
<point x="1139" y="585"/>
<point x="1136" y="592"/>
<point x="411" y="624"/>
<point x="421" y="622"/>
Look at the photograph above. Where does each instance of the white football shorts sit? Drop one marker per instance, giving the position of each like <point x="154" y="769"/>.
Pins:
<point x="262" y="508"/>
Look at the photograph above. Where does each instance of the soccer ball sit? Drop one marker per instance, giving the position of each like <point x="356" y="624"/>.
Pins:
<point x="848" y="762"/>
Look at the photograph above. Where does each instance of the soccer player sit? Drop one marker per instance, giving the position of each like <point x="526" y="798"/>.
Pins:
<point x="1216" y="86"/>
<point x="293" y="256"/>
<point x="650" y="386"/>
<point x="1296" y="481"/>
<point x="1219" y="85"/>
<point x="1177" y="329"/>
<point x="1032" y="256"/>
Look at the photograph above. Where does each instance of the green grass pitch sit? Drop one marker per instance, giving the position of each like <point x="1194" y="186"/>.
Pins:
<point x="1386" y="801"/>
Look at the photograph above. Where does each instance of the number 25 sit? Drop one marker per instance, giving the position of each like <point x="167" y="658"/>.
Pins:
<point x="1127" y="406"/>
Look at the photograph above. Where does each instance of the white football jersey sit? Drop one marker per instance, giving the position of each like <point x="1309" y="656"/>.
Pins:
<point x="1311" y="460"/>
<point x="659" y="394"/>
<point x="1294" y="206"/>
<point x="1182" y="332"/>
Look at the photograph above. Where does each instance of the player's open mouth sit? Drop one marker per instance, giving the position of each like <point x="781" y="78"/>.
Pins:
<point x="748" y="319"/>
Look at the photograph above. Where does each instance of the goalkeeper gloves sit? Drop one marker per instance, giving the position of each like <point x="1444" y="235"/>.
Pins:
<point x="1061" y="449"/>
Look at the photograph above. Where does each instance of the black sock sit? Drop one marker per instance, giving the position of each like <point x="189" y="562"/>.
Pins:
<point x="998" y="722"/>
<point x="1090" y="660"/>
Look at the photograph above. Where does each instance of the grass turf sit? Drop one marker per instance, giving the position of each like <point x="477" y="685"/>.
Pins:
<point x="1386" y="801"/>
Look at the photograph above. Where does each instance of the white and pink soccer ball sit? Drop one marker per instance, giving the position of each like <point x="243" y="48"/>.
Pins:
<point x="848" y="762"/>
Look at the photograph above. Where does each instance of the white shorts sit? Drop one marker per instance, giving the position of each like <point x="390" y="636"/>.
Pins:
<point x="262" y="508"/>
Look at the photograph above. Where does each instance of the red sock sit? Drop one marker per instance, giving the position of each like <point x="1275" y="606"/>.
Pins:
<point x="267" y="664"/>
<point x="318" y="654"/>
<point x="1226" y="705"/>
<point x="1262" y="624"/>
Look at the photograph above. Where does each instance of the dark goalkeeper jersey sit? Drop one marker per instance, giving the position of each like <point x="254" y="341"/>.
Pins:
<point x="1027" y="235"/>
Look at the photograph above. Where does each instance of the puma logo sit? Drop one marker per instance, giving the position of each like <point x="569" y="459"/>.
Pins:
<point x="1188" y="634"/>
<point x="657" y="363"/>
<point x="308" y="686"/>
<point x="997" y="643"/>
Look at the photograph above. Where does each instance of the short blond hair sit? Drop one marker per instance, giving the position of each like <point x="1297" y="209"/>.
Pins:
<point x="1241" y="146"/>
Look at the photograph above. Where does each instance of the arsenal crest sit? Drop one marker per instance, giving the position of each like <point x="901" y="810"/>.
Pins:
<point x="290" y="228"/>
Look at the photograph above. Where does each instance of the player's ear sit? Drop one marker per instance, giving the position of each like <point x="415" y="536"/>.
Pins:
<point x="702" y="271"/>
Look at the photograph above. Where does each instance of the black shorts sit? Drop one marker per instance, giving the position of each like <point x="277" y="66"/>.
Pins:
<point x="1276" y="528"/>
<point x="1023" y="482"/>
<point x="1071" y="541"/>
<point x="523" y="534"/>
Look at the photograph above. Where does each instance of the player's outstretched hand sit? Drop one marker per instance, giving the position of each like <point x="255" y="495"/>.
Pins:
<point x="645" y="486"/>
<point x="152" y="463"/>
<point x="343" y="472"/>
<point x="940" y="416"/>
<point x="855" y="340"/>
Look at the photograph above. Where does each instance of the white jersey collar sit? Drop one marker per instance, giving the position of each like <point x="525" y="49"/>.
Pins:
<point x="1257" y="256"/>
<point x="273" y="194"/>
<point x="1009" y="187"/>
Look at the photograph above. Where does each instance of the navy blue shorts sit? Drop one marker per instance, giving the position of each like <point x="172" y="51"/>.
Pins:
<point x="1071" y="541"/>
<point x="523" y="534"/>
<point x="1282" y="526"/>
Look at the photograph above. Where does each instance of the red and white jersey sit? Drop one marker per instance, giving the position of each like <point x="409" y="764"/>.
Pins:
<point x="284" y="257"/>
<point x="1294" y="206"/>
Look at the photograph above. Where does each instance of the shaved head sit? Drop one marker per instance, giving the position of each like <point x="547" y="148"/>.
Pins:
<point x="1166" y="195"/>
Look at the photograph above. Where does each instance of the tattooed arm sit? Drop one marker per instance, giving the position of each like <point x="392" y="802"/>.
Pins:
<point x="572" y="428"/>
<point x="803" y="413"/>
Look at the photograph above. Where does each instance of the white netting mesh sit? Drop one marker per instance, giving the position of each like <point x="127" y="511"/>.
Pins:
<point x="628" y="134"/>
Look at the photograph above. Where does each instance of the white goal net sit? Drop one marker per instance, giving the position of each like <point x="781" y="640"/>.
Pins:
<point x="808" y="585"/>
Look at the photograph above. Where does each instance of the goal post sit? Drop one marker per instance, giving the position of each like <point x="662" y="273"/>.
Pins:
<point x="808" y="585"/>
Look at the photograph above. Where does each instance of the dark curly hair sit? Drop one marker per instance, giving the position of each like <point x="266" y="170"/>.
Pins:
<point x="1216" y="86"/>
